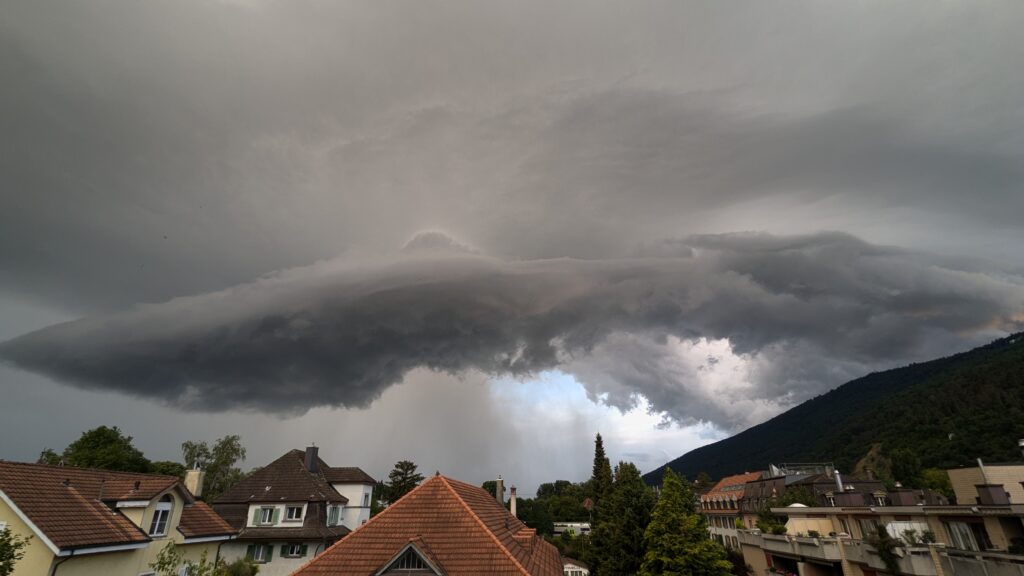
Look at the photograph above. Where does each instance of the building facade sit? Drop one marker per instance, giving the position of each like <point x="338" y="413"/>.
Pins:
<point x="721" y="508"/>
<point x="293" y="509"/>
<point x="101" y="523"/>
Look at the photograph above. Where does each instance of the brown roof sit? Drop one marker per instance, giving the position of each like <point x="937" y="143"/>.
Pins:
<point x="70" y="505"/>
<point x="347" y="474"/>
<point x="284" y="480"/>
<point x="731" y="487"/>
<point x="460" y="527"/>
<point x="200" y="521"/>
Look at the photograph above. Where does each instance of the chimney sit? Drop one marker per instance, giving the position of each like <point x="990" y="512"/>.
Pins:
<point x="194" y="481"/>
<point x="311" y="458"/>
<point x="839" y="482"/>
<point x="512" y="500"/>
<point x="499" y="490"/>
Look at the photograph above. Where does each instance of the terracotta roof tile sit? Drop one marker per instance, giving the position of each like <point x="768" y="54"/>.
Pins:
<point x="199" y="520"/>
<point x="70" y="505"/>
<point x="460" y="526"/>
<point x="731" y="486"/>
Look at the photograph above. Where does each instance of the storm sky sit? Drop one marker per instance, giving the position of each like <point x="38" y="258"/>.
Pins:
<point x="473" y="234"/>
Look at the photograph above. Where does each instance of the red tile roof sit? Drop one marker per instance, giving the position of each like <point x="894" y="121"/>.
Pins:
<point x="731" y="487"/>
<point x="200" y="521"/>
<point x="70" y="505"/>
<point x="462" y="528"/>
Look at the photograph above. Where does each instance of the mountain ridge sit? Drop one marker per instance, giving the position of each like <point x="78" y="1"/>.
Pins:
<point x="948" y="411"/>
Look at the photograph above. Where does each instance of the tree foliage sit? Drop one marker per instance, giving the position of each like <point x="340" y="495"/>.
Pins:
<point x="402" y="479"/>
<point x="106" y="448"/>
<point x="676" y="539"/>
<point x="218" y="461"/>
<point x="170" y="561"/>
<point x="623" y="515"/>
<point x="12" y="549"/>
<point x="601" y="478"/>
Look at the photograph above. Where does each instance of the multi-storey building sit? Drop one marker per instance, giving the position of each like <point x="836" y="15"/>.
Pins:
<point x="293" y="509"/>
<point x="721" y="507"/>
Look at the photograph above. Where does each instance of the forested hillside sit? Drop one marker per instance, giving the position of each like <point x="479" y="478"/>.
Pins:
<point x="947" y="411"/>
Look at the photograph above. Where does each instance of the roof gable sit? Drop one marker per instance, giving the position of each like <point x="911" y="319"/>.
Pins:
<point x="459" y="527"/>
<point x="74" y="507"/>
<point x="411" y="559"/>
<point x="284" y="480"/>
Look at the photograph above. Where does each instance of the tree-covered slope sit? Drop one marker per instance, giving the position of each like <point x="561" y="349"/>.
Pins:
<point x="948" y="411"/>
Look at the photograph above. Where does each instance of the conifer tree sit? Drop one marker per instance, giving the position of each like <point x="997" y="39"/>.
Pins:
<point x="601" y="481"/>
<point x="623" y="514"/>
<point x="676" y="540"/>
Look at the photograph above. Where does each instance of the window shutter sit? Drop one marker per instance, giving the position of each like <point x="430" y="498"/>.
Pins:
<point x="275" y="516"/>
<point x="284" y="550"/>
<point x="302" y="551"/>
<point x="256" y="516"/>
<point x="270" y="553"/>
<point x="250" y="552"/>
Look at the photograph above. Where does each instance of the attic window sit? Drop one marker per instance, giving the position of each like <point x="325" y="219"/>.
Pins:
<point x="293" y="513"/>
<point x="409" y="561"/>
<point x="161" y="515"/>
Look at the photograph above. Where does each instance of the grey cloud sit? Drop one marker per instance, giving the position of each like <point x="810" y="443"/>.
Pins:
<point x="339" y="332"/>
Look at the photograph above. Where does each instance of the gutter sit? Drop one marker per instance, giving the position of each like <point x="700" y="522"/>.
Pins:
<point x="54" y="566"/>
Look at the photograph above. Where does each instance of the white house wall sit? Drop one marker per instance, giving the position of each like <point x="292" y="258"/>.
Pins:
<point x="355" y="514"/>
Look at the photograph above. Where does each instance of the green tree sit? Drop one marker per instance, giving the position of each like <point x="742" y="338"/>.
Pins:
<point x="402" y="479"/>
<point x="170" y="561"/>
<point x="491" y="486"/>
<point x="703" y="483"/>
<point x="218" y="461"/>
<point x="601" y="480"/>
<point x="106" y="448"/>
<point x="49" y="456"/>
<point x="676" y="539"/>
<point x="905" y="467"/>
<point x="623" y="515"/>
<point x="12" y="549"/>
<point x="168" y="468"/>
<point x="938" y="480"/>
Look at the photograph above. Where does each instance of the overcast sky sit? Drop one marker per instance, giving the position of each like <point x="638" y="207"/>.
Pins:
<point x="473" y="234"/>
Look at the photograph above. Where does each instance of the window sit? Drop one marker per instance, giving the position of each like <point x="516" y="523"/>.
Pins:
<point x="266" y="515"/>
<point x="333" y="515"/>
<point x="293" y="550"/>
<point x="961" y="536"/>
<point x="366" y="500"/>
<point x="162" y="514"/>
<point x="831" y="500"/>
<point x="293" y="513"/>
<point x="409" y="561"/>
<point x="868" y="527"/>
<point x="259" y="553"/>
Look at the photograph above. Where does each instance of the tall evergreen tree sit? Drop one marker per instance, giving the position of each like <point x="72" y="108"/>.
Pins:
<point x="601" y="481"/>
<point x="623" y="515"/>
<point x="402" y="479"/>
<point x="676" y="540"/>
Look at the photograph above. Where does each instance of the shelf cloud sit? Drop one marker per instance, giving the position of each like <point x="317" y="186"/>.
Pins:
<point x="337" y="333"/>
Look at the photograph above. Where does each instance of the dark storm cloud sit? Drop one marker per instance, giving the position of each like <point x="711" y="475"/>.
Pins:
<point x="340" y="332"/>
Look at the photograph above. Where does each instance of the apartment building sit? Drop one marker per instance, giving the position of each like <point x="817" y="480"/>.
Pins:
<point x="721" y="507"/>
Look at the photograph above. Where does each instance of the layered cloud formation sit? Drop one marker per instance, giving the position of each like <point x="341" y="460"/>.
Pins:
<point x="339" y="332"/>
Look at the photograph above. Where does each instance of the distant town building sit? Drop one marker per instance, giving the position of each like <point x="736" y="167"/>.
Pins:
<point x="293" y="509"/>
<point x="573" y="528"/>
<point x="573" y="567"/>
<point x="985" y="536"/>
<point x="101" y="523"/>
<point x="721" y="507"/>
<point x="443" y="527"/>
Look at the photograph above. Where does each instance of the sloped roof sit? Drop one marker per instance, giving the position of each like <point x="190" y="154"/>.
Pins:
<point x="348" y="474"/>
<point x="462" y="527"/>
<point x="200" y="521"/>
<point x="69" y="504"/>
<point x="284" y="480"/>
<point x="731" y="486"/>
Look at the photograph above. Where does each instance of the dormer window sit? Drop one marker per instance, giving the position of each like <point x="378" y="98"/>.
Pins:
<point x="333" y="515"/>
<point x="267" y="515"/>
<point x="293" y="513"/>
<point x="161" y="516"/>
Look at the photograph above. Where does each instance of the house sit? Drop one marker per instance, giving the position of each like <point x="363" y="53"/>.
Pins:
<point x="966" y="480"/>
<point x="443" y="527"/>
<point x="293" y="509"/>
<point x="930" y="537"/>
<point x="573" y="567"/>
<point x="99" y="523"/>
<point x="721" y="507"/>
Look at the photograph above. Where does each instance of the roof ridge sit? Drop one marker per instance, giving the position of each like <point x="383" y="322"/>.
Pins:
<point x="82" y="469"/>
<point x="368" y="522"/>
<point x="482" y="525"/>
